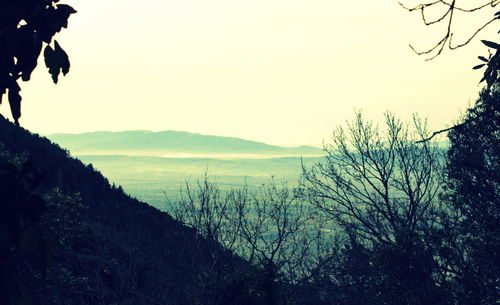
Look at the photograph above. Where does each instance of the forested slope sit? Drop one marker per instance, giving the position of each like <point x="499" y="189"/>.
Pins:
<point x="68" y="237"/>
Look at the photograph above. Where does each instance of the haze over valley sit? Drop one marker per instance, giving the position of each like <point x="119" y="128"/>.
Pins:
<point x="153" y="165"/>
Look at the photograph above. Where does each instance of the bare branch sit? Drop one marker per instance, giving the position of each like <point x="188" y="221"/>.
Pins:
<point x="472" y="36"/>
<point x="492" y="3"/>
<point x="446" y="39"/>
<point x="435" y="133"/>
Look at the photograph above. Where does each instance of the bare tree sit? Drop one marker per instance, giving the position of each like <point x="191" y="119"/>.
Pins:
<point x="209" y="210"/>
<point x="268" y="227"/>
<point x="379" y="188"/>
<point x="376" y="183"/>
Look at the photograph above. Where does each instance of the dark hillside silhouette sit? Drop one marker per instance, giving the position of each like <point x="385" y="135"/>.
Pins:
<point x="100" y="245"/>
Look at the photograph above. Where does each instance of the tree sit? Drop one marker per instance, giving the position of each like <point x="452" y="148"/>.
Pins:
<point x="25" y="25"/>
<point x="473" y="194"/>
<point x="267" y="227"/>
<point x="379" y="188"/>
<point x="376" y="183"/>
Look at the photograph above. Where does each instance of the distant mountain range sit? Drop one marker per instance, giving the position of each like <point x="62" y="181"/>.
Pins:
<point x="140" y="142"/>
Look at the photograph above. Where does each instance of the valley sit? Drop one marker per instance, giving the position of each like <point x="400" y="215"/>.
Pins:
<point x="156" y="172"/>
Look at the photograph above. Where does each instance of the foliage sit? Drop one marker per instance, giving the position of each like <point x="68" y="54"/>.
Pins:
<point x="492" y="62"/>
<point x="473" y="193"/>
<point x="25" y="25"/>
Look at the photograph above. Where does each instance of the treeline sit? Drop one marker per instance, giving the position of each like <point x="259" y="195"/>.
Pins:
<point x="387" y="217"/>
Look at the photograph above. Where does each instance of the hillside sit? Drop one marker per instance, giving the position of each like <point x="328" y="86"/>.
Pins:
<point x="157" y="143"/>
<point x="69" y="237"/>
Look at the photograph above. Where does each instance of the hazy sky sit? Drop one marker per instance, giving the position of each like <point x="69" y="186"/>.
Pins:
<point x="278" y="71"/>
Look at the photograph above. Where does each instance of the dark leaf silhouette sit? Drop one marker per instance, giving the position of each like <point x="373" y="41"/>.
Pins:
<point x="62" y="58"/>
<point x="483" y="58"/>
<point x="24" y="27"/>
<point x="52" y="63"/>
<point x="478" y="66"/>
<point x="56" y="60"/>
<point x="491" y="44"/>
<point x="15" y="101"/>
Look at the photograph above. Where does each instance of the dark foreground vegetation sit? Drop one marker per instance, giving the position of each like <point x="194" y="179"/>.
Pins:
<point x="388" y="217"/>
<point x="383" y="219"/>
<point x="69" y="237"/>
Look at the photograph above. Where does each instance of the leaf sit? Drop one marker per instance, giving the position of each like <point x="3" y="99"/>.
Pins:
<point x="491" y="44"/>
<point x="483" y="58"/>
<point x="15" y="101"/>
<point x="62" y="58"/>
<point x="56" y="60"/>
<point x="53" y="20"/>
<point x="67" y="9"/>
<point x="60" y="17"/>
<point x="52" y="63"/>
<point x="478" y="66"/>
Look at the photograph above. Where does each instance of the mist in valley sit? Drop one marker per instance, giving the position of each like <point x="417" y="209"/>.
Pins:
<point x="155" y="166"/>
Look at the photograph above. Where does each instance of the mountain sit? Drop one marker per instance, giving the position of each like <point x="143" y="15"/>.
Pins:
<point x="69" y="237"/>
<point x="139" y="142"/>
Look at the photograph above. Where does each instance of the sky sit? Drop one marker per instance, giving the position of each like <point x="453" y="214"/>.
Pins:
<point x="283" y="72"/>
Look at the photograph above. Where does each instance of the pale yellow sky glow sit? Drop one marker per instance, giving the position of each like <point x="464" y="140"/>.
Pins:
<point x="277" y="71"/>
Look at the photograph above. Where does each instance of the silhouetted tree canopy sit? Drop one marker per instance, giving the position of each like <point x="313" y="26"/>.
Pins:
<point x="25" y="25"/>
<point x="473" y="192"/>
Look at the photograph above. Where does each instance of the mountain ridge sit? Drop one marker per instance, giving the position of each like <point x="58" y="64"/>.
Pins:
<point x="169" y="141"/>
